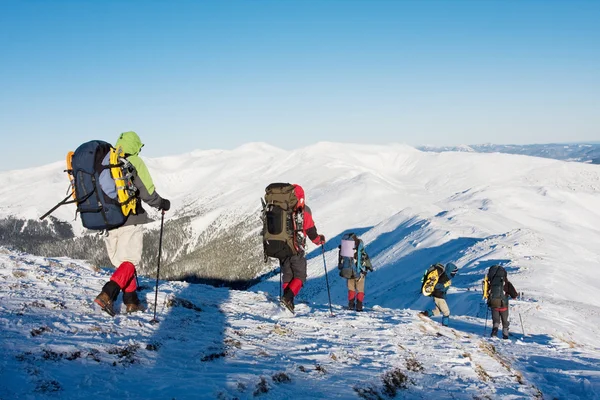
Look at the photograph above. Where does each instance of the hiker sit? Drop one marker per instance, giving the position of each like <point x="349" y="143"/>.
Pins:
<point x="293" y="268"/>
<point x="124" y="244"/>
<point x="446" y="273"/>
<point x="287" y="221"/>
<point x="499" y="291"/>
<point x="354" y="263"/>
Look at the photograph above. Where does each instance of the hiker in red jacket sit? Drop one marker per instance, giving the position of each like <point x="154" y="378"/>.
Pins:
<point x="294" y="268"/>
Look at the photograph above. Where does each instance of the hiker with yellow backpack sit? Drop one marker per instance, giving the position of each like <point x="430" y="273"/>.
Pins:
<point x="107" y="185"/>
<point x="436" y="281"/>
<point x="497" y="290"/>
<point x="124" y="244"/>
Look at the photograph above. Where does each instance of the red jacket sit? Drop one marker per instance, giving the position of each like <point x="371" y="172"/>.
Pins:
<point x="310" y="229"/>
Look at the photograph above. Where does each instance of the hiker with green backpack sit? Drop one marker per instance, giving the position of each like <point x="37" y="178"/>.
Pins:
<point x="124" y="244"/>
<point x="287" y="221"/>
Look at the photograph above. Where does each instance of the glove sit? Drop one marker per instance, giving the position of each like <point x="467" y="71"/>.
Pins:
<point x="165" y="205"/>
<point x="320" y="240"/>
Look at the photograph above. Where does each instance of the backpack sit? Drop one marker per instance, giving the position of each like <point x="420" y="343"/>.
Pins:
<point x="283" y="224"/>
<point x="352" y="258"/>
<point x="101" y="183"/>
<point x="430" y="278"/>
<point x="349" y="257"/>
<point x="493" y="285"/>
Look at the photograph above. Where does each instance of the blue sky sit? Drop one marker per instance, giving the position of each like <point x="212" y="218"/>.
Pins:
<point x="216" y="74"/>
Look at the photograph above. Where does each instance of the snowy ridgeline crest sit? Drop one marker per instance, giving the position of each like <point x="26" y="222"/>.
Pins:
<point x="579" y="152"/>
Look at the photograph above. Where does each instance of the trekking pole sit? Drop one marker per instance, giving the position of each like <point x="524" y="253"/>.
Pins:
<point x="487" y="310"/>
<point x="280" y="282"/>
<point x="162" y="221"/>
<point x="326" y="279"/>
<point x="137" y="282"/>
<point x="522" y="329"/>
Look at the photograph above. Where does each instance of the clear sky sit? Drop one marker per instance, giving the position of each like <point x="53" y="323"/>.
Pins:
<point x="216" y="74"/>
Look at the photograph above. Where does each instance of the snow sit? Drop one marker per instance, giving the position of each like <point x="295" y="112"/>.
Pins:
<point x="218" y="343"/>
<point x="537" y="217"/>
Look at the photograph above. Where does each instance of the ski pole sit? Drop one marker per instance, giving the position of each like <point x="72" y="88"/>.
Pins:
<point x="162" y="221"/>
<point x="522" y="329"/>
<point x="280" y="282"/>
<point x="487" y="310"/>
<point x="326" y="278"/>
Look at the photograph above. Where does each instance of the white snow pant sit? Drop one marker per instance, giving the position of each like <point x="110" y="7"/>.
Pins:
<point x="125" y="244"/>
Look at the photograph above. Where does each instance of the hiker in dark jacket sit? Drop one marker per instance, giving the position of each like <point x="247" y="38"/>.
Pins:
<point x="353" y="267"/>
<point x="500" y="314"/>
<point x="439" y="294"/>
<point x="293" y="268"/>
<point x="124" y="244"/>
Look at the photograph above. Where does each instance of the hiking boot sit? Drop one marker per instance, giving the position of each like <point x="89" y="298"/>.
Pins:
<point x="504" y="336"/>
<point x="131" y="308"/>
<point x="132" y="302"/>
<point x="359" y="305"/>
<point x="494" y="332"/>
<point x="105" y="303"/>
<point x="351" y="304"/>
<point x="287" y="300"/>
<point x="424" y="313"/>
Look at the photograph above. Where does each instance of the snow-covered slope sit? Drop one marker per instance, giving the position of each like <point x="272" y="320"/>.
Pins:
<point x="214" y="343"/>
<point x="538" y="217"/>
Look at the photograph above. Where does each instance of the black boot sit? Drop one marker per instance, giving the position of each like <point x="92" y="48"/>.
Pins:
<point x="351" y="305"/>
<point x="494" y="332"/>
<point x="132" y="302"/>
<point x="359" y="305"/>
<point x="107" y="297"/>
<point x="288" y="299"/>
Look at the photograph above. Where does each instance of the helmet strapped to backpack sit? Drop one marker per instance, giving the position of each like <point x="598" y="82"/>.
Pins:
<point x="283" y="220"/>
<point x="101" y="183"/>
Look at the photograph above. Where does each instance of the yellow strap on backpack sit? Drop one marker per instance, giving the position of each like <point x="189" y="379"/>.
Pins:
<point x="485" y="287"/>
<point x="70" y="171"/>
<point x="128" y="202"/>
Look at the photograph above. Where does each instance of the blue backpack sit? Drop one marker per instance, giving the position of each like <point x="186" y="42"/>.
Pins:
<point x="350" y="254"/>
<point x="94" y="190"/>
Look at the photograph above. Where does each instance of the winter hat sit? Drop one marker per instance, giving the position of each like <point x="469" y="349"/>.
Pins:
<point x="300" y="195"/>
<point x="452" y="268"/>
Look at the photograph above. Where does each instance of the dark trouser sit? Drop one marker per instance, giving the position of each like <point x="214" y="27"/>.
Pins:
<point x="293" y="270"/>
<point x="500" y="315"/>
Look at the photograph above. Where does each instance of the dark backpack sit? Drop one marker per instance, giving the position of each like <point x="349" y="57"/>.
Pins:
<point x="94" y="189"/>
<point x="496" y="278"/>
<point x="349" y="257"/>
<point x="283" y="224"/>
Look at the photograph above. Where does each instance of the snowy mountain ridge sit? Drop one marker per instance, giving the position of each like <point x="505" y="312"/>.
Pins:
<point x="537" y="217"/>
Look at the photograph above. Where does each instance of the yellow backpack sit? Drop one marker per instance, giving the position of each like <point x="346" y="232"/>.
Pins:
<point x="121" y="172"/>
